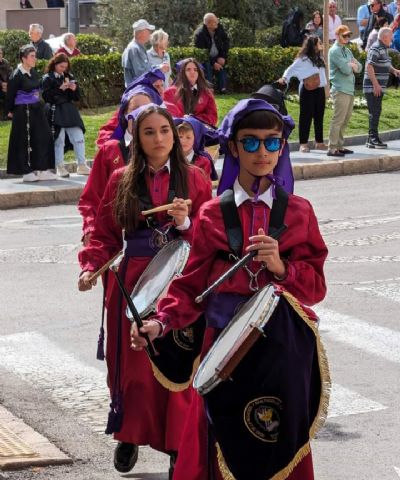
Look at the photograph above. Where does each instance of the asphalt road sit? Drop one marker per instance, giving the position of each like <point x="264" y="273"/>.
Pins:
<point x="48" y="333"/>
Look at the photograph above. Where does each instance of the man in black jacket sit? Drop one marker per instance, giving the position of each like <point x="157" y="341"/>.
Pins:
<point x="43" y="49"/>
<point x="377" y="11"/>
<point x="212" y="37"/>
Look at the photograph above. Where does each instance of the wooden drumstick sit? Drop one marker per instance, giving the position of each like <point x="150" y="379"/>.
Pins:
<point x="104" y="268"/>
<point x="163" y="208"/>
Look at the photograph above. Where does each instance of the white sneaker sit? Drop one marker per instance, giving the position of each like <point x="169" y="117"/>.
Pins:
<point x="83" y="169"/>
<point x="46" y="175"/>
<point x="30" y="177"/>
<point x="62" y="171"/>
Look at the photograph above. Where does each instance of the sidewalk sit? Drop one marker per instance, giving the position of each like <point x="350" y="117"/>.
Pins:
<point x="14" y="193"/>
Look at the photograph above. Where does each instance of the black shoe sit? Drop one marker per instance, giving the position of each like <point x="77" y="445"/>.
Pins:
<point x="172" y="461"/>
<point x="125" y="456"/>
<point x="374" y="142"/>
<point x="335" y="153"/>
<point x="345" y="151"/>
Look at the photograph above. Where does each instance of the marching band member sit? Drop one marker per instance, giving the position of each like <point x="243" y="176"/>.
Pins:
<point x="254" y="138"/>
<point x="157" y="174"/>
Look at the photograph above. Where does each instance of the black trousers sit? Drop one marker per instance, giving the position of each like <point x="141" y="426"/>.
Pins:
<point x="312" y="107"/>
<point x="374" y="112"/>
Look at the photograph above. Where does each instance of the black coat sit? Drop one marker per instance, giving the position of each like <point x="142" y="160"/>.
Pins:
<point x="43" y="50"/>
<point x="202" y="39"/>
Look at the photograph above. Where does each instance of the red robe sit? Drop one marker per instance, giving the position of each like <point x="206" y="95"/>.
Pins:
<point x="205" y="110"/>
<point x="107" y="129"/>
<point x="203" y="163"/>
<point x="108" y="159"/>
<point x="305" y="280"/>
<point x="152" y="415"/>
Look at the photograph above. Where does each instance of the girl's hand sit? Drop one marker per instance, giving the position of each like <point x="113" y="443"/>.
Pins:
<point x="268" y="252"/>
<point x="84" y="282"/>
<point x="179" y="211"/>
<point x="153" y="330"/>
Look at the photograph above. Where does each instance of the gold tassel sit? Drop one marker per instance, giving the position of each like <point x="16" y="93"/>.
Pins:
<point x="172" y="386"/>
<point x="223" y="467"/>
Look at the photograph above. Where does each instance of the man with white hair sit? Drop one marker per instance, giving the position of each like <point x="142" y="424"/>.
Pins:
<point x="334" y="21"/>
<point x="211" y="36"/>
<point x="43" y="49"/>
<point x="69" y="46"/>
<point x="378" y="66"/>
<point x="135" y="61"/>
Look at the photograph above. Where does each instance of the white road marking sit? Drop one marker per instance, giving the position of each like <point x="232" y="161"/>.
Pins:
<point x="380" y="341"/>
<point x="390" y="291"/>
<point x="74" y="385"/>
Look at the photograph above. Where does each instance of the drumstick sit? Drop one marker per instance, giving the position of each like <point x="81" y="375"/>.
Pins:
<point x="235" y="267"/>
<point x="105" y="267"/>
<point x="163" y="208"/>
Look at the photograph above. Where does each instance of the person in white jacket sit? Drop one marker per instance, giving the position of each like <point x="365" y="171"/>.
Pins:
<point x="309" y="69"/>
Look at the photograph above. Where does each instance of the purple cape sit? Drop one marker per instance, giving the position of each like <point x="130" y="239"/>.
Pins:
<point x="230" y="169"/>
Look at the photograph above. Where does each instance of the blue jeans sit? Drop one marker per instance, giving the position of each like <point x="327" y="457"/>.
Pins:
<point x="220" y="74"/>
<point x="77" y="139"/>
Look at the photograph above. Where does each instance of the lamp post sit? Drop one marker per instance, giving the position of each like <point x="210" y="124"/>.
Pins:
<point x="73" y="16"/>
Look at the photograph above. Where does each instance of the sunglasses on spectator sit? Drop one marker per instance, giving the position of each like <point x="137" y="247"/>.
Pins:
<point x="252" y="144"/>
<point x="346" y="35"/>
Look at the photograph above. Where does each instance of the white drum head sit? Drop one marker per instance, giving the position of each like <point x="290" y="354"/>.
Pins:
<point x="256" y="312"/>
<point x="169" y="262"/>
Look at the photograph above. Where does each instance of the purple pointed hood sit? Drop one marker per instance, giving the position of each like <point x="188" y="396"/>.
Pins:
<point x="230" y="170"/>
<point x="147" y="79"/>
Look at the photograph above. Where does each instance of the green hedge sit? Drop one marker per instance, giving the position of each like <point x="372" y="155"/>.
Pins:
<point x="93" y="44"/>
<point x="12" y="41"/>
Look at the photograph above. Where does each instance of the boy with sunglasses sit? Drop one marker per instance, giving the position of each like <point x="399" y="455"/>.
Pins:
<point x="253" y="137"/>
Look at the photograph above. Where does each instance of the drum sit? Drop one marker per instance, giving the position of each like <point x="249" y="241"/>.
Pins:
<point x="236" y="340"/>
<point x="159" y="273"/>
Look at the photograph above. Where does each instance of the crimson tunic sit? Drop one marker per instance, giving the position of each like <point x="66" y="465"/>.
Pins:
<point x="107" y="129"/>
<point x="305" y="250"/>
<point x="152" y="415"/>
<point x="205" y="110"/>
<point x="108" y="159"/>
<point x="203" y="163"/>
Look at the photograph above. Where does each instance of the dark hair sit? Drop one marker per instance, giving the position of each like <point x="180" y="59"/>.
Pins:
<point x="126" y="205"/>
<point x="56" y="60"/>
<point x="259" y="119"/>
<point x="183" y="87"/>
<point x="26" y="50"/>
<point x="317" y="12"/>
<point x="308" y="50"/>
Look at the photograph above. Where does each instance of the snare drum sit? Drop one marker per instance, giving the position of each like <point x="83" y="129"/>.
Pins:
<point x="159" y="273"/>
<point x="236" y="340"/>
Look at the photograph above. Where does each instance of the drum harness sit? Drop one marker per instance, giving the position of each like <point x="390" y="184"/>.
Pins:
<point x="234" y="233"/>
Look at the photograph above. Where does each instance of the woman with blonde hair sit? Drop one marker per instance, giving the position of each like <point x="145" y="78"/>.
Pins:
<point x="158" y="55"/>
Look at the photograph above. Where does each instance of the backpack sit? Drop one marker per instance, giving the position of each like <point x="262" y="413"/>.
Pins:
<point x="291" y="35"/>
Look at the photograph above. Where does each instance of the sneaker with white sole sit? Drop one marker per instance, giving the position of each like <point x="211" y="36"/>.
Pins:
<point x="46" y="175"/>
<point x="30" y="177"/>
<point x="62" y="171"/>
<point x="83" y="169"/>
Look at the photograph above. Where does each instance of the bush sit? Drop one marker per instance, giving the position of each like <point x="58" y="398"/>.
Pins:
<point x="179" y="53"/>
<point x="12" y="41"/>
<point x="239" y="34"/>
<point x="268" y="37"/>
<point x="93" y="44"/>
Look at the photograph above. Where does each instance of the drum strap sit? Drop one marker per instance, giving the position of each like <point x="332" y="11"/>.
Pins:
<point x="233" y="226"/>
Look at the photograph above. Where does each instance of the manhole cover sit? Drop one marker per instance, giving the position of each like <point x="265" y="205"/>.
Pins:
<point x="13" y="446"/>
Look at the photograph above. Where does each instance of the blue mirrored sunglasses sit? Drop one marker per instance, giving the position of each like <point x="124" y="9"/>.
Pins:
<point x="252" y="144"/>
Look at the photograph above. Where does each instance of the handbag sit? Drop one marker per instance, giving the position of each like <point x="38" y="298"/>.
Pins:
<point x="312" y="82"/>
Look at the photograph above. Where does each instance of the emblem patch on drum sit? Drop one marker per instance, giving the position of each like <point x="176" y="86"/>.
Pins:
<point x="262" y="418"/>
<point x="184" y="338"/>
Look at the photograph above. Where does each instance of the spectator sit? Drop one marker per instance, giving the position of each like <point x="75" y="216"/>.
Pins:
<point x="59" y="90"/>
<point x="334" y="21"/>
<point x="309" y="68"/>
<point x="31" y="148"/>
<point x="314" y="26"/>
<point x="158" y="55"/>
<point x="376" y="76"/>
<point x="211" y="36"/>
<point x="373" y="36"/>
<point x="43" y="49"/>
<point x="394" y="8"/>
<point x="396" y="33"/>
<point x="292" y="30"/>
<point x="5" y="73"/>
<point x="69" y="46"/>
<point x="377" y="11"/>
<point x="25" y="4"/>
<point x="55" y="3"/>
<point x="135" y="61"/>
<point x="342" y="66"/>
<point x="191" y="94"/>
<point x="363" y="14"/>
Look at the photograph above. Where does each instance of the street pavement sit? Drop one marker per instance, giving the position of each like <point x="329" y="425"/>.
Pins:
<point x="50" y="378"/>
<point x="316" y="164"/>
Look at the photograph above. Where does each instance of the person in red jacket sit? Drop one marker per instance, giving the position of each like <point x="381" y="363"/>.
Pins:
<point x="69" y="47"/>
<point x="151" y="414"/>
<point x="191" y="94"/>
<point x="253" y="138"/>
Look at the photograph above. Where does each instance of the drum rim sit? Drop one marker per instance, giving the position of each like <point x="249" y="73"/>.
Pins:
<point x="184" y="245"/>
